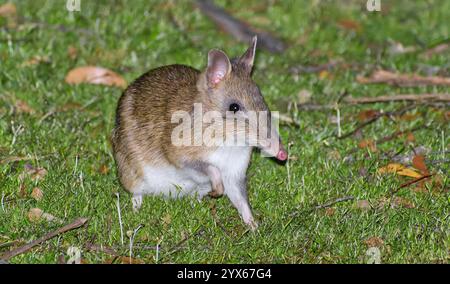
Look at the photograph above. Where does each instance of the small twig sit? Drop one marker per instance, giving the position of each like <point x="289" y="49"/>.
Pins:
<point x="406" y="184"/>
<point x="397" y="98"/>
<point x="238" y="29"/>
<point x="74" y="225"/>
<point x="331" y="203"/>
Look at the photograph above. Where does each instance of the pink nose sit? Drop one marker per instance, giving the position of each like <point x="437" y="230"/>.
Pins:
<point x="282" y="155"/>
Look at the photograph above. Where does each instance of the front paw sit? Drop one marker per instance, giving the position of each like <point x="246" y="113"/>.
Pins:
<point x="252" y="225"/>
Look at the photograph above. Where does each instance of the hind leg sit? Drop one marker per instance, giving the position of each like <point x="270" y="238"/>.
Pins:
<point x="137" y="202"/>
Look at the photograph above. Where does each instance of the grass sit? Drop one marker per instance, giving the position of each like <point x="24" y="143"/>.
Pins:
<point x="131" y="37"/>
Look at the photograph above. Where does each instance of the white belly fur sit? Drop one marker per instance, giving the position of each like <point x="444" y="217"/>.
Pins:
<point x="170" y="181"/>
<point x="173" y="182"/>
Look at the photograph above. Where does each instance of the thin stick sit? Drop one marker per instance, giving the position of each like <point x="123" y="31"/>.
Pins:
<point x="238" y="29"/>
<point x="74" y="225"/>
<point x="337" y="200"/>
<point x="410" y="183"/>
<point x="396" y="98"/>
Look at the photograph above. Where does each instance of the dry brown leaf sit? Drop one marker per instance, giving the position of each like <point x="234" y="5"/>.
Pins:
<point x="409" y="117"/>
<point x="8" y="10"/>
<point x="418" y="162"/>
<point x="36" y="214"/>
<point x="404" y="80"/>
<point x="374" y="242"/>
<point x="410" y="137"/>
<point x="95" y="75"/>
<point x="447" y="115"/>
<point x="104" y="169"/>
<point x="37" y="193"/>
<point x="368" y="143"/>
<point x="399" y="169"/>
<point x="349" y="25"/>
<point x="367" y="115"/>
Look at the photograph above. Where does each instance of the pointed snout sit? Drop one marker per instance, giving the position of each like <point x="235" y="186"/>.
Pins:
<point x="273" y="147"/>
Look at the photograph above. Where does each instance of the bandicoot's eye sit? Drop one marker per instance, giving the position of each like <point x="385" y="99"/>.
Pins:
<point x="234" y="107"/>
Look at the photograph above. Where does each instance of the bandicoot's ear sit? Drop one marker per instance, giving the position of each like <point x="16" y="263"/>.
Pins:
<point x="247" y="59"/>
<point x="219" y="67"/>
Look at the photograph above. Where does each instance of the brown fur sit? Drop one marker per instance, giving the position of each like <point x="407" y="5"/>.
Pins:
<point x="143" y="129"/>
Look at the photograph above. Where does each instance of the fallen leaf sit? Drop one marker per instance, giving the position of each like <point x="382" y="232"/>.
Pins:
<point x="418" y="162"/>
<point x="367" y="115"/>
<point x="409" y="117"/>
<point x="368" y="143"/>
<point x="399" y="169"/>
<point x="410" y="137"/>
<point x="349" y="25"/>
<point x="36" y="214"/>
<point x="8" y="10"/>
<point x="95" y="75"/>
<point x="403" y="80"/>
<point x="374" y="242"/>
<point x="104" y="169"/>
<point x="37" y="193"/>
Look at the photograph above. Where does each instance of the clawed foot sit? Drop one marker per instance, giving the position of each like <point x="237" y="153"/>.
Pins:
<point x="137" y="202"/>
<point x="252" y="225"/>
